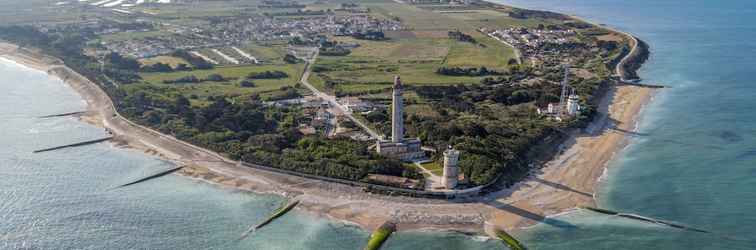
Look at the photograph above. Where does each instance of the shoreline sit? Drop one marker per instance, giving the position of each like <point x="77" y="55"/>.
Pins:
<point x="568" y="180"/>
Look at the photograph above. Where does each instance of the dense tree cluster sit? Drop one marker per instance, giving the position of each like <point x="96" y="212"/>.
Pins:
<point x="460" y="71"/>
<point x="291" y="59"/>
<point x="260" y="134"/>
<point x="195" y="61"/>
<point x="334" y="51"/>
<point x="494" y="124"/>
<point x="195" y="79"/>
<point x="157" y="67"/>
<point x="164" y="67"/>
<point x="462" y="37"/>
<point x="247" y="84"/>
<point x="525" y="13"/>
<point x="268" y="74"/>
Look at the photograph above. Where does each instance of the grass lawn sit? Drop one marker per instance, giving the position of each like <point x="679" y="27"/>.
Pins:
<point x="435" y="167"/>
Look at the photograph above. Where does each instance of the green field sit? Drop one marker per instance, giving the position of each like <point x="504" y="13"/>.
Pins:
<point x="415" y="54"/>
<point x="267" y="53"/>
<point x="263" y="87"/>
<point x="493" y="55"/>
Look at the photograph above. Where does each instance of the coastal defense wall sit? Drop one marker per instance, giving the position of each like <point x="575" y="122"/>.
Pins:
<point x="635" y="60"/>
<point x="630" y="61"/>
<point x="463" y="193"/>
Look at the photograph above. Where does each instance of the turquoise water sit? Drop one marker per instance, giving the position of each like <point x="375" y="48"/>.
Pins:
<point x="695" y="162"/>
<point x="61" y="199"/>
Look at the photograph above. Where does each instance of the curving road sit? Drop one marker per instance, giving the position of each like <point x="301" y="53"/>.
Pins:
<point x="335" y="107"/>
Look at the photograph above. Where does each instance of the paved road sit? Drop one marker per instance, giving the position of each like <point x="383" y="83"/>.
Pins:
<point x="335" y="107"/>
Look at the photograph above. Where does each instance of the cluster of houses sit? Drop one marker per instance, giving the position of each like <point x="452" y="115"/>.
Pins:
<point x="319" y="120"/>
<point x="531" y="41"/>
<point x="231" y="31"/>
<point x="358" y="23"/>
<point x="449" y="2"/>
<point x="236" y="30"/>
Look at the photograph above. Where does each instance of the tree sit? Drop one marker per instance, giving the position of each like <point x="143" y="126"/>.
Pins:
<point x="291" y="59"/>
<point x="268" y="74"/>
<point x="215" y="78"/>
<point x="247" y="84"/>
<point x="157" y="67"/>
<point x="117" y="61"/>
<point x="183" y="67"/>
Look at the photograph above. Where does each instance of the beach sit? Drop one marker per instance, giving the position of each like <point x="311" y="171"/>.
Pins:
<point x="567" y="181"/>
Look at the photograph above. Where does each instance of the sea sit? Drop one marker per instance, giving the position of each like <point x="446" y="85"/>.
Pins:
<point x="691" y="162"/>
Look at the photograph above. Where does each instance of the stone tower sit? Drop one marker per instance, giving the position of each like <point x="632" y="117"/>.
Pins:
<point x="451" y="168"/>
<point x="397" y="119"/>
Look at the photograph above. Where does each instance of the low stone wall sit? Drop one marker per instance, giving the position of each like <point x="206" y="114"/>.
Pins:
<point x="470" y="192"/>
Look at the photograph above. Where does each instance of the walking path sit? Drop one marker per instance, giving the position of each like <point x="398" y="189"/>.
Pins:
<point x="245" y="54"/>
<point x="226" y="57"/>
<point x="204" y="57"/>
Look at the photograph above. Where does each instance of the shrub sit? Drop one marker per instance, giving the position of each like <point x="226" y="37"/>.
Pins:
<point x="247" y="84"/>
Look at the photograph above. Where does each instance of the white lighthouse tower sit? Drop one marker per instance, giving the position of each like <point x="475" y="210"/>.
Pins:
<point x="573" y="103"/>
<point x="407" y="149"/>
<point x="451" y="168"/>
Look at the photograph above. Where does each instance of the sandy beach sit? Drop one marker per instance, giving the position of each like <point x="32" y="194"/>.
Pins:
<point x="567" y="181"/>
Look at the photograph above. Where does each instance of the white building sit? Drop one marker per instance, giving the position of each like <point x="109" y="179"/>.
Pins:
<point x="573" y="104"/>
